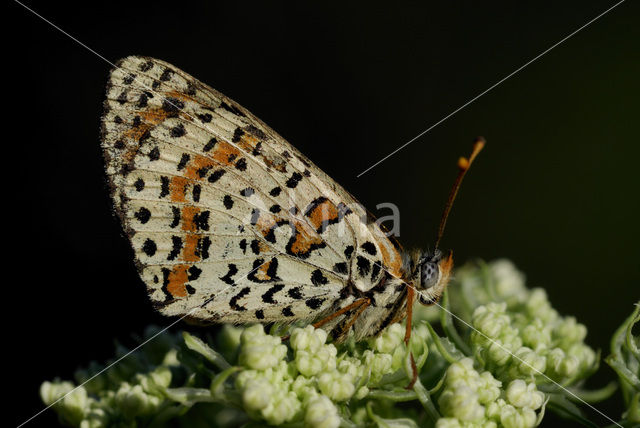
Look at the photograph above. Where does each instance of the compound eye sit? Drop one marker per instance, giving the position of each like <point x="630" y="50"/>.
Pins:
<point x="430" y="275"/>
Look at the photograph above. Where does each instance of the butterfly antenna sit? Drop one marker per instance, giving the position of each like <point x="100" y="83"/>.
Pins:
<point x="463" y="165"/>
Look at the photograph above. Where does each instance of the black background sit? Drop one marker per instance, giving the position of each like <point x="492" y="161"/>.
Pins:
<point x="556" y="189"/>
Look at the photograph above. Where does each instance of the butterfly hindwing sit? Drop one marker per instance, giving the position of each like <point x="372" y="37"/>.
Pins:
<point x="223" y="214"/>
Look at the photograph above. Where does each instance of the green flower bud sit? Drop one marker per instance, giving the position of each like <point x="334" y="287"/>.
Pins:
<point x="521" y="394"/>
<point x="536" y="335"/>
<point x="390" y="339"/>
<point x="569" y="331"/>
<point x="494" y="409"/>
<point x="490" y="319"/>
<point x="585" y="355"/>
<point x="304" y="387"/>
<point x="321" y="413"/>
<point x="171" y="358"/>
<point x="489" y="388"/>
<point x="561" y="364"/>
<point x="283" y="407"/>
<point x="380" y="364"/>
<point x="308" y="338"/>
<point x="361" y="393"/>
<point x="95" y="418"/>
<point x="510" y="417"/>
<point x="508" y="281"/>
<point x="133" y="401"/>
<point x="462" y="403"/>
<point x="260" y="351"/>
<point x="448" y="423"/>
<point x="337" y="386"/>
<point x="310" y="363"/>
<point x="498" y="353"/>
<point x="257" y="394"/>
<point x="528" y="362"/>
<point x="72" y="407"/>
<point x="538" y="306"/>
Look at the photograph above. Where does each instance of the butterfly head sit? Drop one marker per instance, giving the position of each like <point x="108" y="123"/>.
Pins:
<point x="433" y="273"/>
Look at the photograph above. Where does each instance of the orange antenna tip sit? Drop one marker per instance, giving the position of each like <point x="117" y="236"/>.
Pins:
<point x="463" y="164"/>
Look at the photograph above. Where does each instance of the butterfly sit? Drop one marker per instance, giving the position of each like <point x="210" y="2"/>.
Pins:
<point x="231" y="223"/>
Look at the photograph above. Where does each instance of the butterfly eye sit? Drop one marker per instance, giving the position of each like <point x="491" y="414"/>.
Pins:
<point x="429" y="274"/>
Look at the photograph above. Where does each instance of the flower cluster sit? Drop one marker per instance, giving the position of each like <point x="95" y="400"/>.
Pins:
<point x="519" y="335"/>
<point x="472" y="399"/>
<point x="495" y="368"/>
<point x="133" y="389"/>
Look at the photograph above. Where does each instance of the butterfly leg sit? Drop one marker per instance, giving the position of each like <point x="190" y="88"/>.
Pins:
<point x="407" y="335"/>
<point x="355" y="304"/>
<point x="343" y="330"/>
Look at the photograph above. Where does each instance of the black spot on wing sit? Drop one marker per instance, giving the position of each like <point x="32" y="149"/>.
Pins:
<point x="139" y="185"/>
<point x="233" y="302"/>
<point x="166" y="75"/>
<point x="275" y="191"/>
<point x="197" y="189"/>
<point x="193" y="273"/>
<point x="145" y="66"/>
<point x="293" y="181"/>
<point x="341" y="268"/>
<point x="364" y="265"/>
<point x="231" y="109"/>
<point x="149" y="247"/>
<point x="143" y="215"/>
<point x="210" y="145"/>
<point x="201" y="220"/>
<point x="255" y="246"/>
<point x="178" y="131"/>
<point x="314" y="302"/>
<point x="295" y="293"/>
<point x="317" y="278"/>
<point x="287" y="312"/>
<point x="183" y="161"/>
<point x="202" y="248"/>
<point x="375" y="271"/>
<point x="241" y="165"/>
<point x="177" y="247"/>
<point x="228" y="278"/>
<point x="154" y="154"/>
<point x="205" y="118"/>
<point x="268" y="296"/>
<point x="172" y="106"/>
<point x="217" y="174"/>
<point x="348" y="251"/>
<point x="176" y="216"/>
<point x="164" y="186"/>
<point x="228" y="202"/>
<point x="369" y="248"/>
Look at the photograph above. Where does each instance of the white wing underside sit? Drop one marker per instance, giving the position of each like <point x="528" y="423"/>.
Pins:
<point x="225" y="217"/>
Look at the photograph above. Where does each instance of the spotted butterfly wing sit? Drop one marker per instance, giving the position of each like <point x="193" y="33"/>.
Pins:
<point x="227" y="220"/>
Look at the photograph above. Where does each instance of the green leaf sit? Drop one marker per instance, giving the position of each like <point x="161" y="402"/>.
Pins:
<point x="559" y="404"/>
<point x="444" y="346"/>
<point x="446" y="320"/>
<point x="189" y="396"/>
<point x="203" y="349"/>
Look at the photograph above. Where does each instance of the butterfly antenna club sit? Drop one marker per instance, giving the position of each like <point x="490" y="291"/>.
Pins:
<point x="463" y="166"/>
